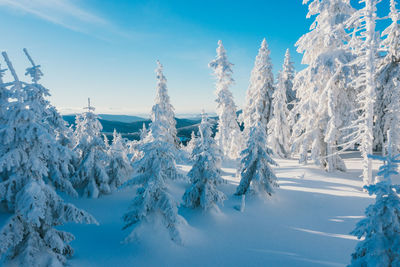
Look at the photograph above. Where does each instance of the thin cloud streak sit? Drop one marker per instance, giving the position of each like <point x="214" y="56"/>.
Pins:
<point x="65" y="14"/>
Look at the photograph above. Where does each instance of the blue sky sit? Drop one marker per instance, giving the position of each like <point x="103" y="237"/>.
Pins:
<point x="107" y="50"/>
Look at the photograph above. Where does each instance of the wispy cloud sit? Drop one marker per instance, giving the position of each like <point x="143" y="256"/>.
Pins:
<point x="66" y="13"/>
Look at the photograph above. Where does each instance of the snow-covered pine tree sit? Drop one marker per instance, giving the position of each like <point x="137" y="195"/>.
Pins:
<point x="153" y="170"/>
<point x="387" y="108"/>
<point x="143" y="132"/>
<point x="228" y="136"/>
<point x="119" y="168"/>
<point x="381" y="227"/>
<point x="260" y="91"/>
<point x="91" y="173"/>
<point x="27" y="129"/>
<point x="325" y="99"/>
<point x="205" y="175"/>
<point x="191" y="144"/>
<point x="163" y="105"/>
<point x="287" y="76"/>
<point x="29" y="238"/>
<point x="255" y="170"/>
<point x="278" y="126"/>
<point x="60" y="169"/>
<point x="133" y="151"/>
<point x="364" y="45"/>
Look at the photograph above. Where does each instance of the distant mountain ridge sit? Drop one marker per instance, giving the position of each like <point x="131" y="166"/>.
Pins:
<point x="130" y="126"/>
<point x="131" y="130"/>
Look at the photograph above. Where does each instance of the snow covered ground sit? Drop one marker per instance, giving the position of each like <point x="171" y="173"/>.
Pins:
<point x="306" y="223"/>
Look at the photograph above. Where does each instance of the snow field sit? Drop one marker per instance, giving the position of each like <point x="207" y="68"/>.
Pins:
<point x="305" y="223"/>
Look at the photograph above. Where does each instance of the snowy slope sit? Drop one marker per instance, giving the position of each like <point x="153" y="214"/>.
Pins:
<point x="306" y="223"/>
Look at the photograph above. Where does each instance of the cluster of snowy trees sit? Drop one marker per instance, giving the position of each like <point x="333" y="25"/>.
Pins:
<point x="348" y="96"/>
<point x="39" y="157"/>
<point x="34" y="162"/>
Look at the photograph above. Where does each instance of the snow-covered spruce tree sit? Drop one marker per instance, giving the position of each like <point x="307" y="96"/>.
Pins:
<point x="163" y="105"/>
<point x="260" y="91"/>
<point x="133" y="151"/>
<point x="325" y="99"/>
<point x="387" y="108"/>
<point x="191" y="144"/>
<point x="152" y="171"/>
<point x="119" y="168"/>
<point x="364" y="45"/>
<point x="255" y="170"/>
<point x="91" y="173"/>
<point x="29" y="238"/>
<point x="287" y="76"/>
<point x="381" y="227"/>
<point x="25" y="139"/>
<point x="228" y="135"/>
<point x="61" y="168"/>
<point x="143" y="132"/>
<point x="205" y="174"/>
<point x="278" y="126"/>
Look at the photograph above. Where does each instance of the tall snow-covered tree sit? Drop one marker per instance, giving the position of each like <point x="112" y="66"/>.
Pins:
<point x="29" y="237"/>
<point x="91" y="173"/>
<point x="364" y="45"/>
<point x="325" y="99"/>
<point x="163" y="107"/>
<point x="25" y="139"/>
<point x="152" y="172"/>
<point x="255" y="165"/>
<point x="278" y="126"/>
<point x="60" y="169"/>
<point x="260" y="91"/>
<point x="205" y="175"/>
<point x="119" y="168"/>
<point x="381" y="227"/>
<point x="387" y="108"/>
<point x="228" y="135"/>
<point x="287" y="76"/>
